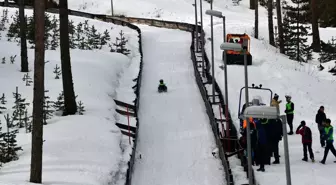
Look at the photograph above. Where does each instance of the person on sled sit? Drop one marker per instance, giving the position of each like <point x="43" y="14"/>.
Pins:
<point x="162" y="86"/>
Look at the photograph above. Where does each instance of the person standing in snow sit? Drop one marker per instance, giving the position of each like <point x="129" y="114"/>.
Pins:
<point x="307" y="140"/>
<point x="329" y="137"/>
<point x="275" y="101"/>
<point x="289" y="113"/>
<point x="275" y="130"/>
<point x="275" y="138"/>
<point x="319" y="119"/>
<point x="261" y="153"/>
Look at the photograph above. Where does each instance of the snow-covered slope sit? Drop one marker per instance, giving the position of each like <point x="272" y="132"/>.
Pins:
<point x="308" y="87"/>
<point x="271" y="69"/>
<point x="80" y="149"/>
<point x="175" y="139"/>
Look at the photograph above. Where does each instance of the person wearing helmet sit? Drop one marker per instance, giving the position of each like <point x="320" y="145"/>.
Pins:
<point x="289" y="113"/>
<point x="162" y="86"/>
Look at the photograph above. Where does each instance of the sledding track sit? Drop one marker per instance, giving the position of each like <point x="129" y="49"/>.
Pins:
<point x="127" y="21"/>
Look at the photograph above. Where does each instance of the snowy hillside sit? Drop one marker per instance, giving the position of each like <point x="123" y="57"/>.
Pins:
<point x="79" y="149"/>
<point x="270" y="69"/>
<point x="308" y="87"/>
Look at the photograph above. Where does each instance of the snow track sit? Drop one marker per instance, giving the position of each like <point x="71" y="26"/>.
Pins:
<point x="175" y="140"/>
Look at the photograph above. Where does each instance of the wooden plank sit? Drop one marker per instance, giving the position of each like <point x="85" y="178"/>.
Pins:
<point x="123" y="126"/>
<point x="125" y="113"/>
<point x="123" y="104"/>
<point x="125" y="132"/>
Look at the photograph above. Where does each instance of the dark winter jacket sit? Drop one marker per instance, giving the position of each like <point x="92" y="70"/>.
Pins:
<point x="275" y="130"/>
<point x="306" y="134"/>
<point x="253" y="133"/>
<point x="262" y="137"/>
<point x="320" y="117"/>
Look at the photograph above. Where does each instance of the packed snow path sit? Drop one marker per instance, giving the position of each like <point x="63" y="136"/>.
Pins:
<point x="175" y="139"/>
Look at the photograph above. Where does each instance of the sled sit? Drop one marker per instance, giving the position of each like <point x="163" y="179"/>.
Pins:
<point x="160" y="90"/>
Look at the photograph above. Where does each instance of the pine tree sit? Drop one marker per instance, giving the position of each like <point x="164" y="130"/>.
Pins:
<point x="19" y="110"/>
<point x="328" y="51"/>
<point x="59" y="104"/>
<point x="4" y="20"/>
<point x="84" y="44"/>
<point x="11" y="148"/>
<point x="3" y="102"/>
<point x="70" y="107"/>
<point x="57" y="71"/>
<point x="80" y="108"/>
<point x="47" y="111"/>
<point x="54" y="43"/>
<point x="12" y="59"/>
<point x="31" y="31"/>
<point x="295" y="35"/>
<point x="3" y="60"/>
<point x="48" y="28"/>
<point x="324" y="57"/>
<point x="104" y="38"/>
<point x="72" y="35"/>
<point x="120" y="45"/>
<point x="93" y="38"/>
<point x="14" y="28"/>
<point x="27" y="122"/>
<point x="27" y="79"/>
<point x="79" y="35"/>
<point x="3" y="146"/>
<point x="37" y="131"/>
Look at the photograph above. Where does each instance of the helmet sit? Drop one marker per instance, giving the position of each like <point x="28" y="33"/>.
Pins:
<point x="276" y="95"/>
<point x="288" y="97"/>
<point x="161" y="81"/>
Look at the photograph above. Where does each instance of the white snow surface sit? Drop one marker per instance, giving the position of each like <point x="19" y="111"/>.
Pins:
<point x="309" y="87"/>
<point x="84" y="149"/>
<point x="175" y="137"/>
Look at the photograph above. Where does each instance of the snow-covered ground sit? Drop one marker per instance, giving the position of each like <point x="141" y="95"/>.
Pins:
<point x="308" y="87"/>
<point x="175" y="139"/>
<point x="80" y="149"/>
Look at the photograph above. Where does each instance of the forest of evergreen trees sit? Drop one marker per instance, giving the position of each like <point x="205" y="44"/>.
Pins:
<point x="297" y="20"/>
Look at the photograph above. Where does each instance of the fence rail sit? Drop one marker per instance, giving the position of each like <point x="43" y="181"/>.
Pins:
<point x="129" y="22"/>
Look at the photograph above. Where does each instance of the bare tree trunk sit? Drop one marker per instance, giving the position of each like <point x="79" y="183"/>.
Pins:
<point x="298" y="36"/>
<point x="23" y="29"/>
<point x="270" y="22"/>
<point x="316" y="45"/>
<point x="252" y="4"/>
<point x="280" y="27"/>
<point x="256" y="20"/>
<point x="68" y="86"/>
<point x="37" y="132"/>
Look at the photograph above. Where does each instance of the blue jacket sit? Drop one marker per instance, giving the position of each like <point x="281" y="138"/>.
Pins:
<point x="262" y="138"/>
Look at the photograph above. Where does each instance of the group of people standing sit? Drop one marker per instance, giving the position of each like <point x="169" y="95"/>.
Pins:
<point x="267" y="133"/>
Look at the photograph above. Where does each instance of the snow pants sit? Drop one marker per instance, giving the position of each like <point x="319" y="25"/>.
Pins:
<point x="321" y="130"/>
<point x="308" y="146"/>
<point x="261" y="155"/>
<point x="330" y="147"/>
<point x="290" y="118"/>
<point x="275" y="149"/>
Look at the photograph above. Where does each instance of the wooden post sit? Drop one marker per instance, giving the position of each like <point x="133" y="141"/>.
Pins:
<point x="128" y="120"/>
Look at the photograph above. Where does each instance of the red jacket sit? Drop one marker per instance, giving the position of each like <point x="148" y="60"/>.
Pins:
<point x="306" y="134"/>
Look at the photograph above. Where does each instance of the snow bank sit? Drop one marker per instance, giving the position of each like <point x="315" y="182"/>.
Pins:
<point x="79" y="149"/>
